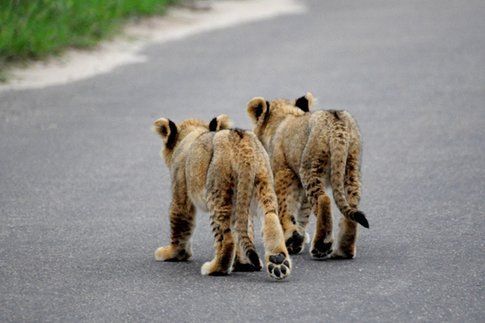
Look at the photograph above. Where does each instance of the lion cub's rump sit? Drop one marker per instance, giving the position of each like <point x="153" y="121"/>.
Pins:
<point x="309" y="151"/>
<point x="221" y="171"/>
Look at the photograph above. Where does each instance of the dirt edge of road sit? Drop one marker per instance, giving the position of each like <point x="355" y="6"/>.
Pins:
<point x="127" y="48"/>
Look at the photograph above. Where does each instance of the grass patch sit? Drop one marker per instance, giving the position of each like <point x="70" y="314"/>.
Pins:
<point x="34" y="29"/>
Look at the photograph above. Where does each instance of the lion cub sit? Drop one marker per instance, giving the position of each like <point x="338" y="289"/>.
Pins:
<point x="222" y="171"/>
<point x="310" y="151"/>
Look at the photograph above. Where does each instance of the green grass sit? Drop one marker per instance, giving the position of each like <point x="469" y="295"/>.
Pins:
<point x="34" y="29"/>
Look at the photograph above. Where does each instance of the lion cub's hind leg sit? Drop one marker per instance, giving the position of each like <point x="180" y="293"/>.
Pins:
<point x="182" y="222"/>
<point x="313" y="175"/>
<point x="278" y="262"/>
<point x="219" y="200"/>
<point x="242" y="262"/>
<point x="287" y="190"/>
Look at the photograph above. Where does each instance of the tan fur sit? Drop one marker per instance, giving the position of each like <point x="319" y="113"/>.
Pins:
<point x="222" y="172"/>
<point x="310" y="151"/>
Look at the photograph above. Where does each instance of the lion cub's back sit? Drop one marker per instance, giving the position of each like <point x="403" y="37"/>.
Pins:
<point x="237" y="145"/>
<point x="196" y="168"/>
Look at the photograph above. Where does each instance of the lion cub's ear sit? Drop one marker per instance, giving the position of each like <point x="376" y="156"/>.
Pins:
<point x="220" y="122"/>
<point x="305" y="102"/>
<point x="167" y="130"/>
<point x="258" y="107"/>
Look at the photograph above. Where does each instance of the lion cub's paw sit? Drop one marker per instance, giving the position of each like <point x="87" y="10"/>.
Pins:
<point x="343" y="254"/>
<point x="295" y="243"/>
<point x="245" y="266"/>
<point x="321" y="249"/>
<point x="170" y="253"/>
<point x="279" y="266"/>
<point x="212" y="268"/>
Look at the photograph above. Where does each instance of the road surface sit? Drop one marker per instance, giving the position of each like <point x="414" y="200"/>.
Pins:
<point x="84" y="194"/>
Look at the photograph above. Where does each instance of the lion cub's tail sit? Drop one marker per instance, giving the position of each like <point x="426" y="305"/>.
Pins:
<point x="245" y="187"/>
<point x="339" y="147"/>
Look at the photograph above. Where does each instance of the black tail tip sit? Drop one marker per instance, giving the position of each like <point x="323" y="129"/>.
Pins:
<point x="254" y="258"/>
<point x="360" y="218"/>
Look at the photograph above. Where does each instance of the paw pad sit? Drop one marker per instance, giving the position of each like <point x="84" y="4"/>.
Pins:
<point x="294" y="244"/>
<point x="277" y="259"/>
<point x="279" y="266"/>
<point x="321" y="249"/>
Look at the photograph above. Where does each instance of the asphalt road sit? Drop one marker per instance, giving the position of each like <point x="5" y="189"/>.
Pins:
<point x="84" y="194"/>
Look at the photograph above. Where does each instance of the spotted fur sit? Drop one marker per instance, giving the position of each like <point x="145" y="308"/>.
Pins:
<point x="221" y="171"/>
<point x="310" y="151"/>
